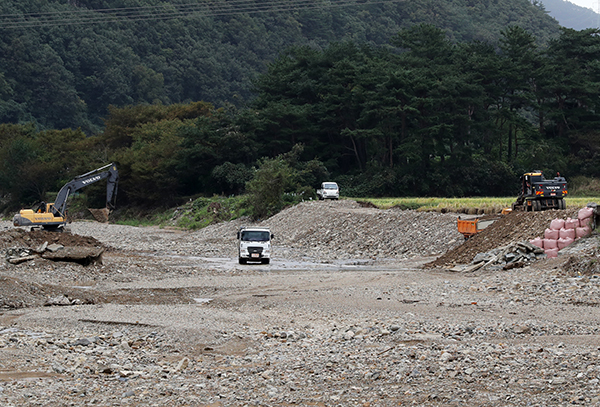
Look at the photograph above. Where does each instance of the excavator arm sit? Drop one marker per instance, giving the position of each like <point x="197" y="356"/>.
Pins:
<point x="60" y="204"/>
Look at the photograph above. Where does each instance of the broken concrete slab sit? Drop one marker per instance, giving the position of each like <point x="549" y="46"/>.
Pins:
<point x="81" y="255"/>
<point x="54" y="247"/>
<point x="42" y="248"/>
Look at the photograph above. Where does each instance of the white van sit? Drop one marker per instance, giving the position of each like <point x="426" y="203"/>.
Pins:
<point x="329" y="190"/>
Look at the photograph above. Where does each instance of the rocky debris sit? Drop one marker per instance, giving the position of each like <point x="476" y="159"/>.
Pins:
<point x="514" y="227"/>
<point x="17" y="255"/>
<point x="51" y="248"/>
<point x="84" y="250"/>
<point x="56" y="252"/>
<point x="58" y="300"/>
<point x="13" y="236"/>
<point x="414" y="359"/>
<point x="329" y="230"/>
<point x="81" y="255"/>
<point x="515" y="255"/>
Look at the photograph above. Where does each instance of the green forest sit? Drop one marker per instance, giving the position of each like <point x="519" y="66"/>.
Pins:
<point x="390" y="98"/>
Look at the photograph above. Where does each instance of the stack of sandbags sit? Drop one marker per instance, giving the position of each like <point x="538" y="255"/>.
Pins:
<point x="562" y="233"/>
<point x="585" y="218"/>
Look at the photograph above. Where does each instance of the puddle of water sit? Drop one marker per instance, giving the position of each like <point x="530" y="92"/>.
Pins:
<point x="277" y="264"/>
<point x="203" y="300"/>
<point x="16" y="375"/>
<point x="31" y="334"/>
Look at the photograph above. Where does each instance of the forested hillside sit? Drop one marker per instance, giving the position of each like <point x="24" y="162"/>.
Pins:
<point x="460" y="105"/>
<point x="63" y="62"/>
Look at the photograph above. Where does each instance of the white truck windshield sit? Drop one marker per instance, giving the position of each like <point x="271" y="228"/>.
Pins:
<point x="330" y="186"/>
<point x="255" y="236"/>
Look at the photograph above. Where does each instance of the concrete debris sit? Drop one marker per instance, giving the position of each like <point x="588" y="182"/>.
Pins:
<point x="54" y="247"/>
<point x="58" y="300"/>
<point x="514" y="255"/>
<point x="55" y="252"/>
<point x="82" y="255"/>
<point x="42" y="248"/>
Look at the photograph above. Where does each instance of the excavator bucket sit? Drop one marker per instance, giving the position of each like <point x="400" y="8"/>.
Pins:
<point x="101" y="215"/>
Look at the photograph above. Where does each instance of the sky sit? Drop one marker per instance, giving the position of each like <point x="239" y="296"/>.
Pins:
<point x="593" y="4"/>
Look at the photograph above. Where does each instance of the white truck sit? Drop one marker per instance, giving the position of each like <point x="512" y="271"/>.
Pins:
<point x="254" y="244"/>
<point x="329" y="190"/>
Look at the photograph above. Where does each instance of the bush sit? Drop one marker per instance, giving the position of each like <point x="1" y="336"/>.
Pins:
<point x="203" y="212"/>
<point x="280" y="182"/>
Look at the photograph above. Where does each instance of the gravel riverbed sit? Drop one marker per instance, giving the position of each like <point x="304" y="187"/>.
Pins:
<point x="345" y="315"/>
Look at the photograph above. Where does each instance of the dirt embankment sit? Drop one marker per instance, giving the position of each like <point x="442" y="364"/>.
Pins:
<point x="17" y="237"/>
<point x="514" y="227"/>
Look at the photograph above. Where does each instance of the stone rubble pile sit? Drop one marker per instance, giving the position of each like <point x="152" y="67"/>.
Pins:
<point x="55" y="252"/>
<point x="515" y="255"/>
<point x="344" y="229"/>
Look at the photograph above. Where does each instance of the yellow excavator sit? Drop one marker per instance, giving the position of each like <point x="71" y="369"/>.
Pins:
<point x="53" y="216"/>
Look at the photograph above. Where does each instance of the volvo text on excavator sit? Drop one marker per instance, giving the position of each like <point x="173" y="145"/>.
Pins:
<point x="53" y="216"/>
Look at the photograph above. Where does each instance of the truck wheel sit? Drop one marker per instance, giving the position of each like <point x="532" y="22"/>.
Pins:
<point x="562" y="204"/>
<point x="265" y="261"/>
<point x="243" y="261"/>
<point x="536" y="206"/>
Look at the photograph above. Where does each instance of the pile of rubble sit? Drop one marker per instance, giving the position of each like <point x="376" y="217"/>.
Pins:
<point x="37" y="244"/>
<point x="345" y="229"/>
<point x="515" y="255"/>
<point x="509" y="229"/>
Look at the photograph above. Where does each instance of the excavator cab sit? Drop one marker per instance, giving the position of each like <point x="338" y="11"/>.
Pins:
<point x="41" y="207"/>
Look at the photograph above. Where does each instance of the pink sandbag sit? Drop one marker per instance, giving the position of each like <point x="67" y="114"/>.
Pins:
<point x="583" y="231"/>
<point x="551" y="234"/>
<point x="585" y="222"/>
<point x="564" y="242"/>
<point x="551" y="253"/>
<point x="571" y="223"/>
<point x="538" y="241"/>
<point x="550" y="244"/>
<point x="557" y="224"/>
<point x="585" y="213"/>
<point x="566" y="233"/>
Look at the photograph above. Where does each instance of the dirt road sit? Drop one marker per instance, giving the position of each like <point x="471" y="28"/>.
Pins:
<point x="170" y="318"/>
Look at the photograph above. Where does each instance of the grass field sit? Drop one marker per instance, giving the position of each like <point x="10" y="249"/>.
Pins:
<point x="462" y="205"/>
